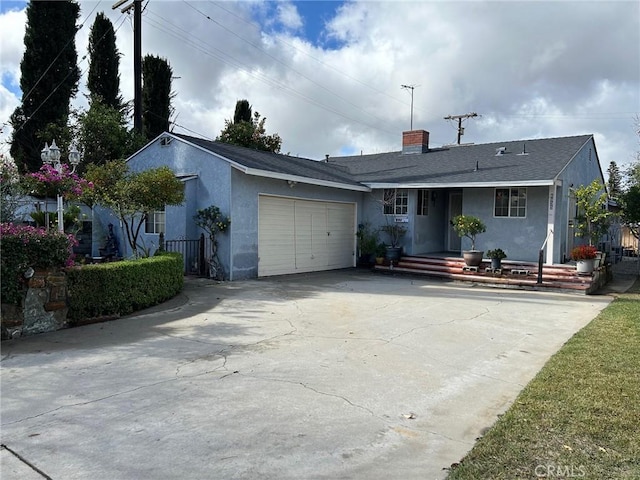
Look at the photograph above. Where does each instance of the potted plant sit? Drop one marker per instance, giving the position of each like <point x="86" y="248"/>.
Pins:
<point x="395" y="231"/>
<point x="496" y="255"/>
<point x="367" y="243"/>
<point x="584" y="256"/>
<point x="469" y="226"/>
<point x="381" y="251"/>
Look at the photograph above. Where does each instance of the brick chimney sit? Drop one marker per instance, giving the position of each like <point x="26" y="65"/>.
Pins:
<point x="415" y="141"/>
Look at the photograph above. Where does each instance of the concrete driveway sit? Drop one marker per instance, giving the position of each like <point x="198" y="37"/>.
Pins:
<point x="338" y="375"/>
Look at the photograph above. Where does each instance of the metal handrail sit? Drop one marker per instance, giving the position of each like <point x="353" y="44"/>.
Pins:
<point x="541" y="256"/>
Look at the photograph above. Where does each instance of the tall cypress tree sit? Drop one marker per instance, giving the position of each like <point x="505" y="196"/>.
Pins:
<point x="103" y="80"/>
<point x="243" y="112"/>
<point x="49" y="79"/>
<point x="156" y="96"/>
<point x="614" y="185"/>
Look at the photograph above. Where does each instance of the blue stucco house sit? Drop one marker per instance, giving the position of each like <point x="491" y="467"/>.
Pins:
<point x="292" y="215"/>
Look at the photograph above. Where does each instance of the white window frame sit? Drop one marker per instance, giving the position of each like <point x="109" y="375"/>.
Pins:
<point x="516" y="202"/>
<point x="423" y="202"/>
<point x="155" y="222"/>
<point x="395" y="201"/>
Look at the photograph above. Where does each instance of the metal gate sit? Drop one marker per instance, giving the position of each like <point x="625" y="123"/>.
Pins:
<point x="193" y="254"/>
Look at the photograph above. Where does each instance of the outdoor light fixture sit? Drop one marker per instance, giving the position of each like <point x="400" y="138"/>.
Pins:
<point x="50" y="155"/>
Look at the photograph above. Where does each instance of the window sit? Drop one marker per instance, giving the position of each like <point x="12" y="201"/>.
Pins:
<point x="396" y="201"/>
<point x="154" y="222"/>
<point x="510" y="202"/>
<point x="423" y="202"/>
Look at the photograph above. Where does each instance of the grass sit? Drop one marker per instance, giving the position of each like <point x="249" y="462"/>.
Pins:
<point x="580" y="416"/>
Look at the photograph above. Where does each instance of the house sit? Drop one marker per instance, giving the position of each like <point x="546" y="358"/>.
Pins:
<point x="292" y="215"/>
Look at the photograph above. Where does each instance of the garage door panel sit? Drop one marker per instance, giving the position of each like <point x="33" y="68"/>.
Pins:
<point x="297" y="235"/>
<point x="275" y="237"/>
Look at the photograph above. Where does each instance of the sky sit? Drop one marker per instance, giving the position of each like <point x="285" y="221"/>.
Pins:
<point x="328" y="75"/>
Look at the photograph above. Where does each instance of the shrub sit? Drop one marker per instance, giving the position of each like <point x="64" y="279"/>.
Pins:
<point x="367" y="239"/>
<point x="496" y="253"/>
<point x="584" y="252"/>
<point x="124" y="287"/>
<point x="23" y="246"/>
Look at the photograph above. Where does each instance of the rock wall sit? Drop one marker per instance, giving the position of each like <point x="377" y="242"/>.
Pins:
<point x="43" y="307"/>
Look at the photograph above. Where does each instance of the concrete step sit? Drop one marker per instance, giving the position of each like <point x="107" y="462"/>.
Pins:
<point x="514" y="274"/>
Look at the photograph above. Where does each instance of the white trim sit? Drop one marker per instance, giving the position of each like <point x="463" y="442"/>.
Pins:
<point x="552" y="202"/>
<point x="299" y="179"/>
<point x="505" y="184"/>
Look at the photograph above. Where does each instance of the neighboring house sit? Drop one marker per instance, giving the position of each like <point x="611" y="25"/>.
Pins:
<point x="291" y="215"/>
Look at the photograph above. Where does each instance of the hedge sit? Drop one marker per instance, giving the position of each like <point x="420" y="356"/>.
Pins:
<point x="123" y="287"/>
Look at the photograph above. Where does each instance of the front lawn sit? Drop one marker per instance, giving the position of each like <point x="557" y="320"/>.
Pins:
<point x="580" y="416"/>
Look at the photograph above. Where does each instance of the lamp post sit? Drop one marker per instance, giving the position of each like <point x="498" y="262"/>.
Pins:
<point x="51" y="156"/>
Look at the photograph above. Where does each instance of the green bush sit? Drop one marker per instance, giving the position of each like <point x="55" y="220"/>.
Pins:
<point x="120" y="288"/>
<point x="23" y="247"/>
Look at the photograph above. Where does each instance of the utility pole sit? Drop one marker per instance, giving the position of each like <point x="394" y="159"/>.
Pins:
<point x="460" y="118"/>
<point x="137" y="58"/>
<point x="410" y="87"/>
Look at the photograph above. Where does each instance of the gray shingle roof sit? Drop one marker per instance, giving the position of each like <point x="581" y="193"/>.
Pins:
<point x="544" y="160"/>
<point x="456" y="165"/>
<point x="276" y="163"/>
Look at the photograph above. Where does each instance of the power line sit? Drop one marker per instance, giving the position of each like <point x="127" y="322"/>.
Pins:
<point x="225" y="58"/>
<point x="304" y="52"/>
<point x="265" y="52"/>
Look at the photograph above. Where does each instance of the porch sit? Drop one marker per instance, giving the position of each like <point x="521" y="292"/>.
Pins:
<point x="514" y="274"/>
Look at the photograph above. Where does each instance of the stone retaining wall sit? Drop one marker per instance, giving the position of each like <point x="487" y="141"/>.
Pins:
<point x="43" y="307"/>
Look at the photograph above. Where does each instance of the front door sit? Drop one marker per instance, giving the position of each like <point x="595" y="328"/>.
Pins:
<point x="454" y="242"/>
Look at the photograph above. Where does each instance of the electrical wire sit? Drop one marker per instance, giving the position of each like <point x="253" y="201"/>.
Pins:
<point x="225" y="58"/>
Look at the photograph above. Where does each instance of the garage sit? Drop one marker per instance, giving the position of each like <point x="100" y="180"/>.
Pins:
<point x="299" y="235"/>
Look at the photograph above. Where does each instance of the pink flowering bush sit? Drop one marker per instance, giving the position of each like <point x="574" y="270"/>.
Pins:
<point x="23" y="246"/>
<point x="48" y="182"/>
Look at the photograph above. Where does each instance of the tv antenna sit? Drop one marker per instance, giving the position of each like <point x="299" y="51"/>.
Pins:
<point x="410" y="87"/>
<point x="460" y="118"/>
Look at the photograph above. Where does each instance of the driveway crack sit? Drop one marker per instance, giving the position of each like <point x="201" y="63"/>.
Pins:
<point x="319" y="392"/>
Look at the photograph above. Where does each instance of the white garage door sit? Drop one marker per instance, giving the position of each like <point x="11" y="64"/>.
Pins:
<point x="298" y="236"/>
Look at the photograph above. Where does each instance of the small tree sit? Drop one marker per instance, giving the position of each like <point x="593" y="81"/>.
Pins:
<point x="134" y="195"/>
<point x="631" y="210"/>
<point x="250" y="134"/>
<point x="468" y="226"/>
<point x="102" y="129"/>
<point x="212" y="221"/>
<point x="593" y="219"/>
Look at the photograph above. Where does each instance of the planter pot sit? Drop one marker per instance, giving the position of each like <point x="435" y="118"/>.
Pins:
<point x="472" y="258"/>
<point x="496" y="263"/>
<point x="393" y="253"/>
<point x="585" y="266"/>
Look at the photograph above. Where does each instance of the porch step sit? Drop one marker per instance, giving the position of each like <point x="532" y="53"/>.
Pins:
<point x="514" y="274"/>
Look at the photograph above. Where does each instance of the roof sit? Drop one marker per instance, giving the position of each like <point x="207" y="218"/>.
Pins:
<point x="534" y="162"/>
<point x="274" y="165"/>
<point x="524" y="162"/>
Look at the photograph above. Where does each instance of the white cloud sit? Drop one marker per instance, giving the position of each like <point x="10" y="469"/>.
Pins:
<point x="530" y="69"/>
<point x="289" y="17"/>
